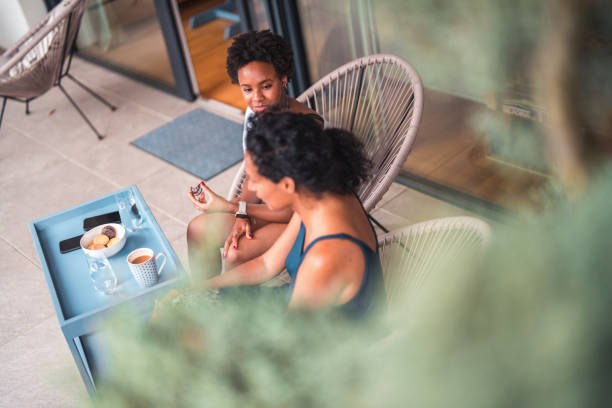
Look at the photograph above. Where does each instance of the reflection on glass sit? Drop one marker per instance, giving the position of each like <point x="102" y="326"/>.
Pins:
<point x="257" y="12"/>
<point x="336" y="32"/>
<point x="481" y="129"/>
<point x="126" y="34"/>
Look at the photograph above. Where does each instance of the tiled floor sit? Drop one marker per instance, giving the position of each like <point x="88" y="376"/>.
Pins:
<point x="50" y="161"/>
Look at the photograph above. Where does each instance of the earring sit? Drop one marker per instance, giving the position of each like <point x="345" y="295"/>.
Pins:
<point x="285" y="97"/>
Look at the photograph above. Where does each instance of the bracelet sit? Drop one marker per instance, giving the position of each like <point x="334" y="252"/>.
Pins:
<point x="242" y="216"/>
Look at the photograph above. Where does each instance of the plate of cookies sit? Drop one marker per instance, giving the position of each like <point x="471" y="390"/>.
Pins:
<point x="104" y="240"/>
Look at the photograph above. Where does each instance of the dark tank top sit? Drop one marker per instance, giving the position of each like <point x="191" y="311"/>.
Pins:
<point x="371" y="292"/>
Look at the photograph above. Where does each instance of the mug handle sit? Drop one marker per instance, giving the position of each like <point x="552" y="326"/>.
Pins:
<point x="159" y="270"/>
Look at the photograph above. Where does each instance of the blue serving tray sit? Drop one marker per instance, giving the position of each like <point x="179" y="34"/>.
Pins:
<point x="79" y="307"/>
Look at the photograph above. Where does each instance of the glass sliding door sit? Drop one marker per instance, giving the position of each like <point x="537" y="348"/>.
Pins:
<point x="479" y="137"/>
<point x="139" y="38"/>
<point x="127" y="35"/>
<point x="335" y="33"/>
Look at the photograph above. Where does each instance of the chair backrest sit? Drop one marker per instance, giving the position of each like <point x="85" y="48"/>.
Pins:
<point x="408" y="255"/>
<point x="378" y="98"/>
<point x="33" y="65"/>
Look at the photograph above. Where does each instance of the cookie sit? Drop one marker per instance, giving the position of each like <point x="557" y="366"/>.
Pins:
<point x="101" y="239"/>
<point x="112" y="241"/>
<point x="109" y="231"/>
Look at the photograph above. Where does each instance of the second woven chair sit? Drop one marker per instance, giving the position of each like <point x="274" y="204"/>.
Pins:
<point x="378" y="98"/>
<point x="410" y="254"/>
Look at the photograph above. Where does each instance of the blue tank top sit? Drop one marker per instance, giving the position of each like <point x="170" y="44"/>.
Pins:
<point x="371" y="291"/>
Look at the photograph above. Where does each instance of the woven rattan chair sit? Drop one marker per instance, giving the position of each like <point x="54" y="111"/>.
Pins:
<point x="42" y="57"/>
<point x="408" y="255"/>
<point x="379" y="98"/>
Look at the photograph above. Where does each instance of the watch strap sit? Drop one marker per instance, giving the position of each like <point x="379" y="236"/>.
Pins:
<point x="242" y="209"/>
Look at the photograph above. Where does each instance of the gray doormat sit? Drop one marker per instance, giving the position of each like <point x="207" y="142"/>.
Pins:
<point x="198" y="142"/>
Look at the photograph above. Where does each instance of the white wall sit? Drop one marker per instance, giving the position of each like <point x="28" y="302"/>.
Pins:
<point x="33" y="10"/>
<point x="16" y="18"/>
<point x="13" y="23"/>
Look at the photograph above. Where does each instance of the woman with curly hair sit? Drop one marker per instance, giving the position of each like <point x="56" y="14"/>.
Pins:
<point x="261" y="63"/>
<point x="329" y="247"/>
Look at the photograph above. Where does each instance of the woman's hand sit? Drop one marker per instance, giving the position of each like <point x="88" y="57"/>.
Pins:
<point x="215" y="202"/>
<point x="241" y="226"/>
<point x="161" y="303"/>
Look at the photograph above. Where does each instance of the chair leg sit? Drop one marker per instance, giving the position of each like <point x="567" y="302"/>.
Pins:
<point x="2" y="111"/>
<point x="27" y="102"/>
<point x="98" y="97"/>
<point x="80" y="112"/>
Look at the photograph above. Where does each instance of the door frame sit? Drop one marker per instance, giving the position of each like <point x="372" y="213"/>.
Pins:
<point x="178" y="55"/>
<point x="284" y="19"/>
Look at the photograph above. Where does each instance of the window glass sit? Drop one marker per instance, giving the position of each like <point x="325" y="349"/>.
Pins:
<point x="126" y="34"/>
<point x="481" y="129"/>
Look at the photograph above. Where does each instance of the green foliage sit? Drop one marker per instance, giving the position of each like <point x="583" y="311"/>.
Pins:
<point x="526" y="327"/>
<point x="464" y="47"/>
<point x="529" y="327"/>
<point x="236" y="353"/>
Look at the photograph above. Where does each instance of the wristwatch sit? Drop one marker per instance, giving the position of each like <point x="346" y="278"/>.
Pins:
<point x="242" y="210"/>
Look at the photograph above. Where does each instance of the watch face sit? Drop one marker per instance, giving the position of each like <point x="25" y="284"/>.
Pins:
<point x="242" y="208"/>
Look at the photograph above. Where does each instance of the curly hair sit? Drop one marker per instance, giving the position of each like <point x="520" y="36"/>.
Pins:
<point x="294" y="145"/>
<point x="263" y="46"/>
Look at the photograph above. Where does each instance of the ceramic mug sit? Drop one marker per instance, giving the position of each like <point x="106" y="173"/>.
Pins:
<point x="143" y="265"/>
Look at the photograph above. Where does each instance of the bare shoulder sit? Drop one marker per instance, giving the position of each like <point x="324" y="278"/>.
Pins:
<point x="329" y="256"/>
<point x="331" y="273"/>
<point x="298" y="107"/>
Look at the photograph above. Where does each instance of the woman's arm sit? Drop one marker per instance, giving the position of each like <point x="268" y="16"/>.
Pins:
<point x="263" y="212"/>
<point x="252" y="272"/>
<point x="265" y="266"/>
<point x="216" y="203"/>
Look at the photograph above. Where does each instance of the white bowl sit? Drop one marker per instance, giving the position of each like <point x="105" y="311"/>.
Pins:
<point x="111" y="250"/>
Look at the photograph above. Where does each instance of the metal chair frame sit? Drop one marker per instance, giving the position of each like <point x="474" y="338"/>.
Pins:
<point x="39" y="32"/>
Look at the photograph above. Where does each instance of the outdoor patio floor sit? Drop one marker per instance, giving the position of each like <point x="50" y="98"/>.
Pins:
<point x="51" y="161"/>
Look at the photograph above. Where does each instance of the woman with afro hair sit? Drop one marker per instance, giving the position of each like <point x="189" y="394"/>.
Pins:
<point x="261" y="64"/>
<point x="329" y="246"/>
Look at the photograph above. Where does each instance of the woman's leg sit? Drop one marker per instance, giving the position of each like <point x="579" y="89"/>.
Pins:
<point x="206" y="233"/>
<point x="263" y="238"/>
